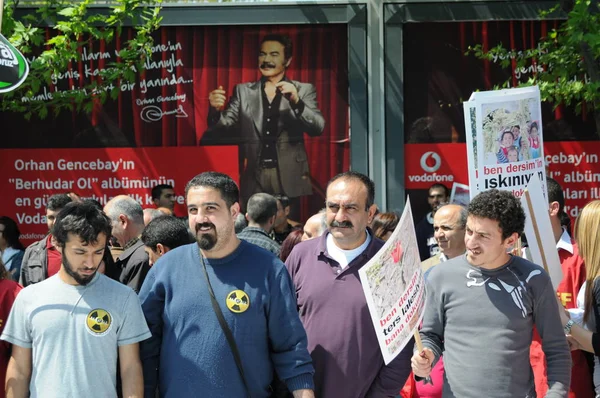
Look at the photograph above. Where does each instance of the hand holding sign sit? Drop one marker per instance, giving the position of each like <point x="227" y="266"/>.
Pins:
<point x="421" y="362"/>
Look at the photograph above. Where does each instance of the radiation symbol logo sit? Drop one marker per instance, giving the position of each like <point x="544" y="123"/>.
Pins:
<point x="238" y="301"/>
<point x="98" y="321"/>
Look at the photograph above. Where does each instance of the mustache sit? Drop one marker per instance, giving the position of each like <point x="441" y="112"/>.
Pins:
<point x="343" y="224"/>
<point x="204" y="225"/>
<point x="265" y="65"/>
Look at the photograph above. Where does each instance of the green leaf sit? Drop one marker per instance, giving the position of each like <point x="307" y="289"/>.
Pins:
<point x="67" y="12"/>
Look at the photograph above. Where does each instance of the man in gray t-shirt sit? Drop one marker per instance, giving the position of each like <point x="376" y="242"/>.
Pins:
<point x="67" y="330"/>
<point x="482" y="307"/>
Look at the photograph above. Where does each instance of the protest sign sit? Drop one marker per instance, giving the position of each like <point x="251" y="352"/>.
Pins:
<point x="538" y="229"/>
<point x="460" y="194"/>
<point x="506" y="140"/>
<point x="394" y="288"/>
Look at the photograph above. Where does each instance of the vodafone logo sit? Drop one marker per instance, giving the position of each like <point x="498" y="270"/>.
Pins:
<point x="430" y="162"/>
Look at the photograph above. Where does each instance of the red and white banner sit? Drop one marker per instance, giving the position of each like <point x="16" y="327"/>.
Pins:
<point x="575" y="165"/>
<point x="29" y="177"/>
<point x="427" y="164"/>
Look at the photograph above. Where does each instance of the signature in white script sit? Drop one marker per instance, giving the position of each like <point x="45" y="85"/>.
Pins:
<point x="153" y="113"/>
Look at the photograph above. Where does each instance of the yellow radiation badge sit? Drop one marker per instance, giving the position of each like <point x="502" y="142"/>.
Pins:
<point x="238" y="301"/>
<point x="98" y="321"/>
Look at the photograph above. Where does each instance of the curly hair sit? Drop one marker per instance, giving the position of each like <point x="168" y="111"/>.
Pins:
<point x="499" y="206"/>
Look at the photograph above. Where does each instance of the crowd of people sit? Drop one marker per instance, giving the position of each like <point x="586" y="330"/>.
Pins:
<point x="222" y="302"/>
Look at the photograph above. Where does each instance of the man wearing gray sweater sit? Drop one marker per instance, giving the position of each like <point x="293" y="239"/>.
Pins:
<point x="482" y="307"/>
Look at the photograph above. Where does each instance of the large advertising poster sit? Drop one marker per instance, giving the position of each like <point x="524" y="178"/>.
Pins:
<point x="208" y="100"/>
<point x="439" y="77"/>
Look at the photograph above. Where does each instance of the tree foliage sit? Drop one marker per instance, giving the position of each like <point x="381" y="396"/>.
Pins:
<point x="75" y="25"/>
<point x="566" y="63"/>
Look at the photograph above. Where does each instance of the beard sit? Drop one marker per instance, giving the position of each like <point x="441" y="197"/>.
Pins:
<point x="80" y="279"/>
<point x="206" y="240"/>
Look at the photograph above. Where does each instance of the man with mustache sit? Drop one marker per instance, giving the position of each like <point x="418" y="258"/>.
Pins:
<point x="70" y="330"/>
<point x="342" y="340"/>
<point x="188" y="354"/>
<point x="268" y="119"/>
<point x="482" y="308"/>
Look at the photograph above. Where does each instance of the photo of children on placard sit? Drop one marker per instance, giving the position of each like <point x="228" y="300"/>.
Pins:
<point x="512" y="132"/>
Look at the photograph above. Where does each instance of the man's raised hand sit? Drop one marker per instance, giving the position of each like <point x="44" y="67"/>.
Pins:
<point x="217" y="98"/>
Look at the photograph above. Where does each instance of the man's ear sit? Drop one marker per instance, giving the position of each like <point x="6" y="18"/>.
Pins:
<point x="123" y="220"/>
<point x="372" y="210"/>
<point x="161" y="249"/>
<point x="234" y="210"/>
<point x="155" y="202"/>
<point x="511" y="241"/>
<point x="553" y="208"/>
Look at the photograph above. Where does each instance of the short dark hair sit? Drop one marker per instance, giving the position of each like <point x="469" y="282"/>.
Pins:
<point x="83" y="219"/>
<point x="441" y="186"/>
<point x="555" y="193"/>
<point x="219" y="181"/>
<point x="285" y="41"/>
<point x="283" y="199"/>
<point x="11" y="233"/>
<point x="157" y="190"/>
<point x="58" y="201"/>
<point x="169" y="231"/>
<point x="355" y="175"/>
<point x="261" y="207"/>
<point x="506" y="132"/>
<point x="534" y="124"/>
<point x="499" y="206"/>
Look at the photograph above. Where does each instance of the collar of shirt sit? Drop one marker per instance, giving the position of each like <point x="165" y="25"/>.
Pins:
<point x="49" y="244"/>
<point x="443" y="257"/>
<point x="565" y="242"/>
<point x="131" y="243"/>
<point x="430" y="217"/>
<point x="256" y="229"/>
<point x="263" y="81"/>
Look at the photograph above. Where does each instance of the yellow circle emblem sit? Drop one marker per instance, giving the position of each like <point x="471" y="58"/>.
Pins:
<point x="238" y="301"/>
<point x="98" y="321"/>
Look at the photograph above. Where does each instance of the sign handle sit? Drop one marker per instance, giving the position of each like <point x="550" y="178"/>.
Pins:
<point x="418" y="340"/>
<point x="535" y="230"/>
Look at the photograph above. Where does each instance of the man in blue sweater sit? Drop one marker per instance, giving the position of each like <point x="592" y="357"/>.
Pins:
<point x="188" y="354"/>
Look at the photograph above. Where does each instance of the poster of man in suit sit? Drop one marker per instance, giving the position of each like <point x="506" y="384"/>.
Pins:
<point x="268" y="119"/>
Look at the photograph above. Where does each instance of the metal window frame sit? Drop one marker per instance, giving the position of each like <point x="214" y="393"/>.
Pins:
<point x="395" y="16"/>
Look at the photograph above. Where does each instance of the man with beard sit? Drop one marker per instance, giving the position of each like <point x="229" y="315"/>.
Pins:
<point x="68" y="331"/>
<point x="188" y="353"/>
<point x="268" y="119"/>
<point x="332" y="305"/>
